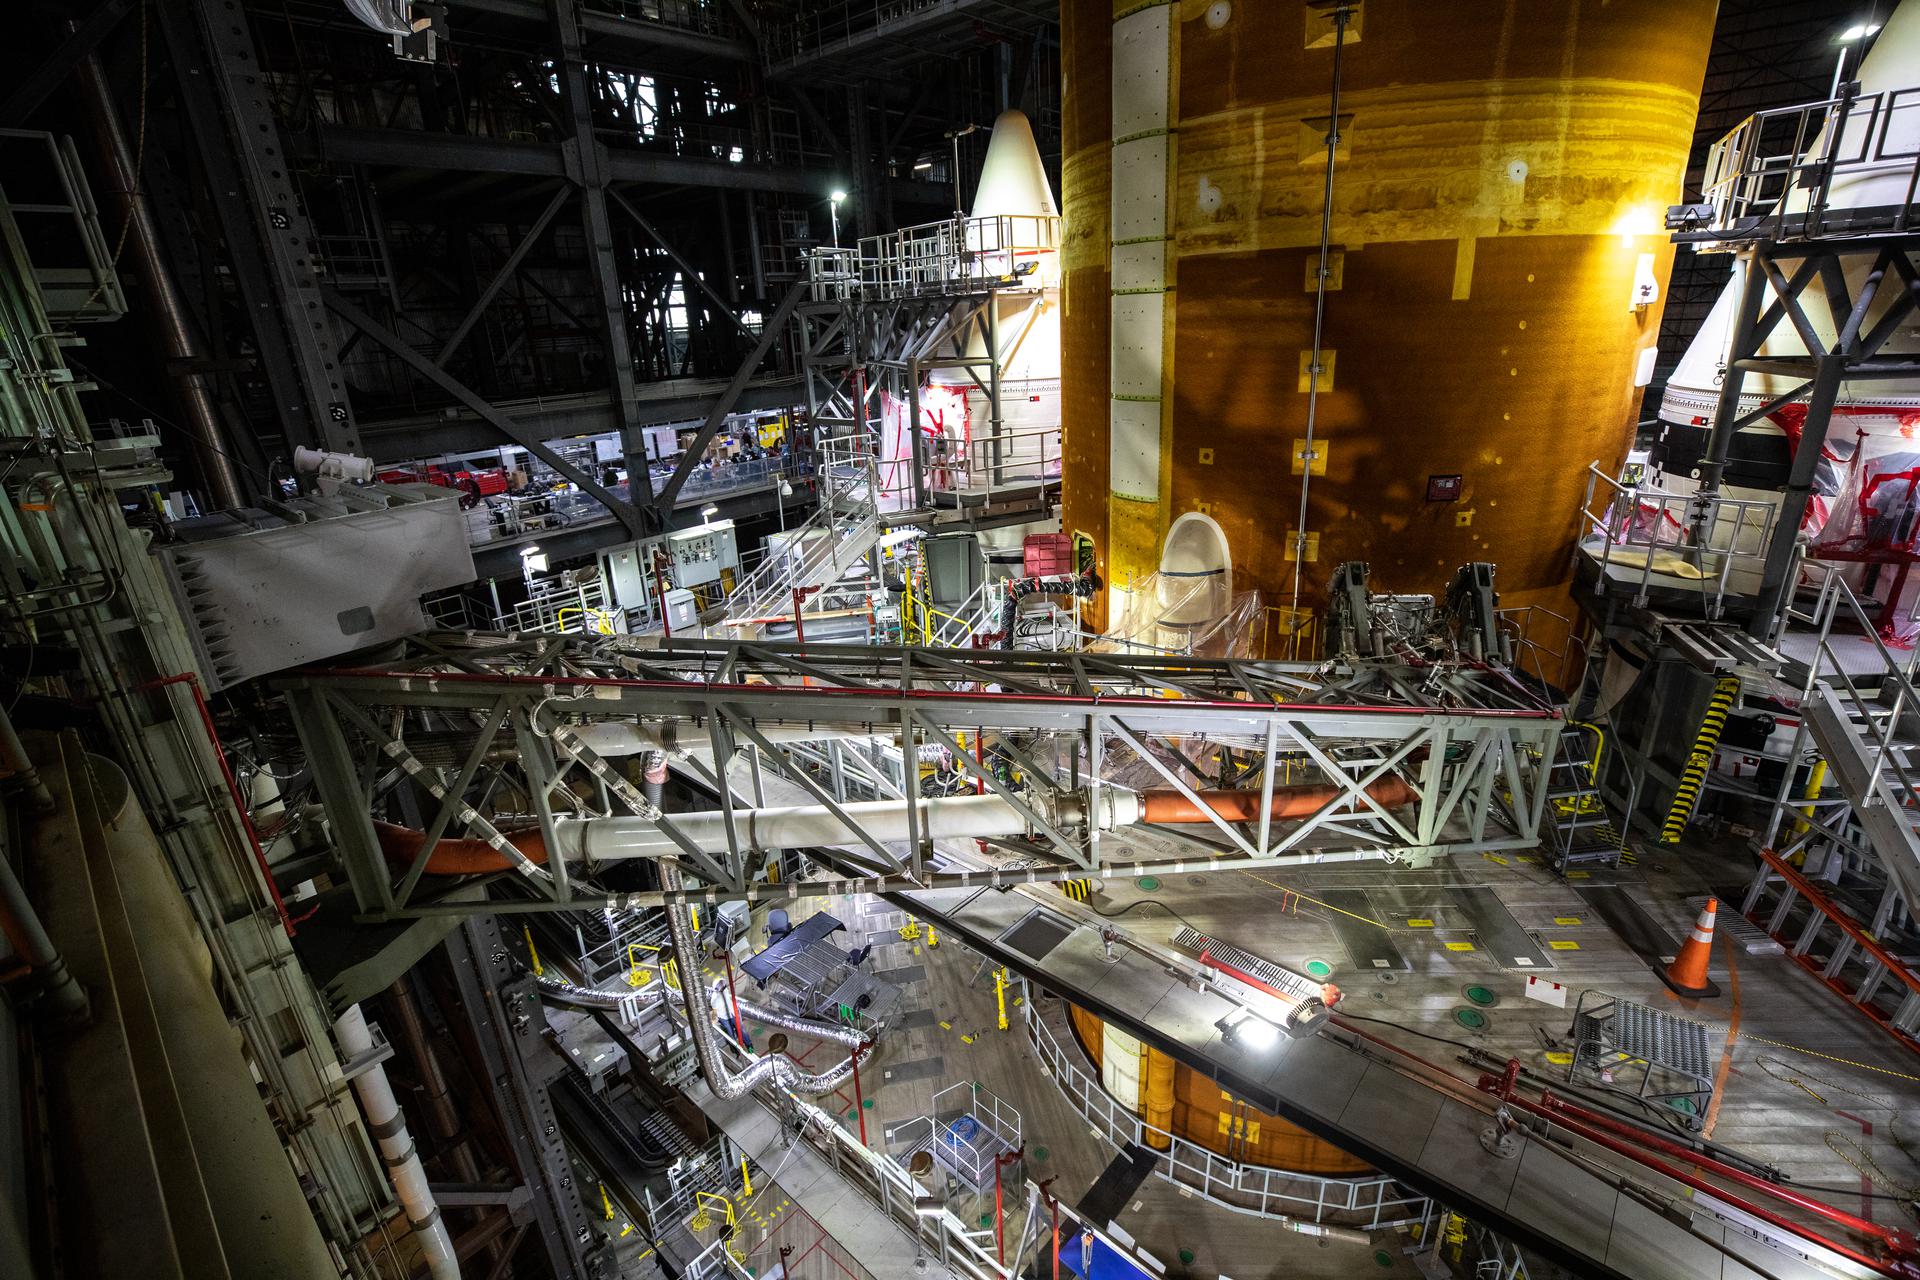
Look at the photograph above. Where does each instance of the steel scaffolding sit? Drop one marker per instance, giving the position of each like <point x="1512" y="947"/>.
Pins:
<point x="425" y="734"/>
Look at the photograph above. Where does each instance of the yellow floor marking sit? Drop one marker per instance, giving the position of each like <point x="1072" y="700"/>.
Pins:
<point x="1563" y="945"/>
<point x="1566" y="919"/>
<point x="1459" y="946"/>
<point x="1419" y="924"/>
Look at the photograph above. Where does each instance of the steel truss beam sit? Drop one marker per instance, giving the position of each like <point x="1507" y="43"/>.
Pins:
<point x="1860" y="322"/>
<point x="457" y="723"/>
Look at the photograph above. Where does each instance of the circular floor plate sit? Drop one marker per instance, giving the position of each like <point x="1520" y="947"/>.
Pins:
<point x="1480" y="996"/>
<point x="1149" y="883"/>
<point x="1319" y="968"/>
<point x="1471" y="1019"/>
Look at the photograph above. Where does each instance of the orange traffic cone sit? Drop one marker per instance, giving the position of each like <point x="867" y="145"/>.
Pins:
<point x="1687" y="975"/>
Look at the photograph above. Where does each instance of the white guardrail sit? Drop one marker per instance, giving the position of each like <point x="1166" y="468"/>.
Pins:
<point x="1371" y="1203"/>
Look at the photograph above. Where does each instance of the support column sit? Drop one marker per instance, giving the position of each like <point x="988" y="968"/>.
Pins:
<point x="265" y="189"/>
<point x="587" y="166"/>
<point x="1776" y="579"/>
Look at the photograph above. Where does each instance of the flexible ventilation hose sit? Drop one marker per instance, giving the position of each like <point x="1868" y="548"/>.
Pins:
<point x="1079" y="584"/>
<point x="773" y="1069"/>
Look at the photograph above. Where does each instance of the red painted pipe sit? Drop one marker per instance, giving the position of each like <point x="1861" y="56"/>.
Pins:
<point x="192" y="682"/>
<point x="1900" y="1242"/>
<point x="1901" y="1245"/>
<point x="456" y="856"/>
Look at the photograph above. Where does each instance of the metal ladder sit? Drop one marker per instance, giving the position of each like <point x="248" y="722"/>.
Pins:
<point x="1583" y="831"/>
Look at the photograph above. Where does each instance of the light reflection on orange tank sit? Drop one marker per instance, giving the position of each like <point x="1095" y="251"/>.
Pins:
<point x="1208" y="1117"/>
<point x="1503" y="172"/>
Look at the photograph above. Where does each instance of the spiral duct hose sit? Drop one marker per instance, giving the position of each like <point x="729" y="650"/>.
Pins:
<point x="774" y="1069"/>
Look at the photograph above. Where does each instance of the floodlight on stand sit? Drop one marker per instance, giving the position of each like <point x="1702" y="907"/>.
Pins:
<point x="1248" y="1031"/>
<point x="786" y="490"/>
<point x="1859" y="31"/>
<point x="532" y="559"/>
<point x="709" y="511"/>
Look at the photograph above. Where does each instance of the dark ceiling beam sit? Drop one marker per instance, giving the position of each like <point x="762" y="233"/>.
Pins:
<point x="460" y="153"/>
<point x="632" y="32"/>
<point x="82" y="40"/>
<point x="622" y="511"/>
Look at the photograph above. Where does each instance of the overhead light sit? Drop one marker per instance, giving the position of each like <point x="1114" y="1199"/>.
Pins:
<point x="531" y="550"/>
<point x="1248" y="1031"/>
<point x="709" y="511"/>
<point x="923" y="166"/>
<point x="1859" y="31"/>
<point x="837" y="196"/>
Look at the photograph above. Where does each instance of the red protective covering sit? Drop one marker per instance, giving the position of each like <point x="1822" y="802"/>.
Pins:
<point x="1867" y="499"/>
<point x="1047" y="555"/>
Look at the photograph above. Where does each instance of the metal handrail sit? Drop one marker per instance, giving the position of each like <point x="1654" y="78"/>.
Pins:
<point x="1207" y="1173"/>
<point x="844" y="484"/>
<point x="1630" y="507"/>
<point x="1848" y="136"/>
<point x="1825" y="666"/>
<point x="951" y="255"/>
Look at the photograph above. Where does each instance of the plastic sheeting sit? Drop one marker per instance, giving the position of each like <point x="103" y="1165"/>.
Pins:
<point x="1193" y="617"/>
<point x="1866" y="503"/>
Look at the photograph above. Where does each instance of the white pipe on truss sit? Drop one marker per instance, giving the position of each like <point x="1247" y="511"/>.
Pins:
<point x="809" y="826"/>
<point x="397" y="1149"/>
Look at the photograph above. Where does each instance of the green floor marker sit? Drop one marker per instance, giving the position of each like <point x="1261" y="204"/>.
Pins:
<point x="868" y="1104"/>
<point x="1482" y="997"/>
<point x="1039" y="1153"/>
<point x="1186" y="1257"/>
<point x="1382" y="1257"/>
<point x="1471" y="1019"/>
<point x="1149" y="883"/>
<point x="1319" y="968"/>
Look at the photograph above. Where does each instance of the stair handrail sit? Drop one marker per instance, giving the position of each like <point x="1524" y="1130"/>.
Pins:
<point x="769" y="588"/>
<point x="1825" y="668"/>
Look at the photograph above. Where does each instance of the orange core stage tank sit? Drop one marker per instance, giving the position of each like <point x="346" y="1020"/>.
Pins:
<point x="1493" y="279"/>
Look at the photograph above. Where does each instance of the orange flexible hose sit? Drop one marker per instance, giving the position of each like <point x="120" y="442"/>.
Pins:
<point x="1167" y="806"/>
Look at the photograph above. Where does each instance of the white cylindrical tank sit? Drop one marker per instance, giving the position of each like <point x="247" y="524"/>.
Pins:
<point x="1013" y="232"/>
<point x="1874" y="420"/>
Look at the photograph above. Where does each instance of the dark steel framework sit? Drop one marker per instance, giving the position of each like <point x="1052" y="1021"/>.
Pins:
<point x="580" y="218"/>
<point x="451" y="722"/>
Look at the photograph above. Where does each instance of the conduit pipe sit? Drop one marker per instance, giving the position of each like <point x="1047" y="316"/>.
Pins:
<point x="614" y="738"/>
<point x="812" y="826"/>
<point x="1166" y="807"/>
<point x="774" y="1068"/>
<point x="397" y="1149"/>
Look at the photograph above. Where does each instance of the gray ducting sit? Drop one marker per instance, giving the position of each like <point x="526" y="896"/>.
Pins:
<point x="773" y="1069"/>
<point x="791" y="1022"/>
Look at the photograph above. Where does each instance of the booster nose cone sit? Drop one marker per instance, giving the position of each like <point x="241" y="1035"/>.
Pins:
<point x="1013" y="182"/>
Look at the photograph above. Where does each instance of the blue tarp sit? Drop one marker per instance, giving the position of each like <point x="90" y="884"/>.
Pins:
<point x="1098" y="1261"/>
<point x="814" y="928"/>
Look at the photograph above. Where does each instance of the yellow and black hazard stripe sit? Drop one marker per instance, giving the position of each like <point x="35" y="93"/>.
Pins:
<point x="1078" y="890"/>
<point x="1693" y="778"/>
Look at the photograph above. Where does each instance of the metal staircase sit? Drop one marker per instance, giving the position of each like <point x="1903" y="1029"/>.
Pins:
<point x="835" y="539"/>
<point x="1841" y="912"/>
